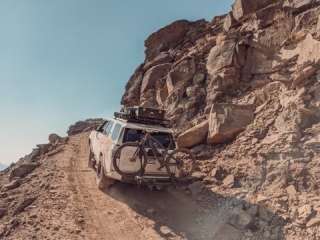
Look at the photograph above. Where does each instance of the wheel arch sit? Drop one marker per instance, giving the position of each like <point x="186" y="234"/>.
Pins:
<point x="101" y="162"/>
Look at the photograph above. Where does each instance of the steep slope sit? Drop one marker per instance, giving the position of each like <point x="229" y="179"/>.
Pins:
<point x="243" y="92"/>
<point x="54" y="196"/>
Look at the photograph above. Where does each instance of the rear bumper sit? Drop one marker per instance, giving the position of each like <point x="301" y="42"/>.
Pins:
<point x="154" y="179"/>
<point x="147" y="179"/>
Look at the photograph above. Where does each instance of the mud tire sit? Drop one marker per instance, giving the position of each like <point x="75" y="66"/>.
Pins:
<point x="102" y="181"/>
<point x="91" y="160"/>
<point x="187" y="167"/>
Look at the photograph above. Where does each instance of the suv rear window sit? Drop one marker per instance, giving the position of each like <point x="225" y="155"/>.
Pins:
<point x="135" y="135"/>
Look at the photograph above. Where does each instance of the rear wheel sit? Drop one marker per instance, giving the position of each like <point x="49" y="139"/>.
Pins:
<point x="102" y="181"/>
<point x="91" y="161"/>
<point x="184" y="160"/>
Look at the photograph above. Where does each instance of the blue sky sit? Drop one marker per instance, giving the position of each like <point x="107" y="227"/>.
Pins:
<point x="66" y="60"/>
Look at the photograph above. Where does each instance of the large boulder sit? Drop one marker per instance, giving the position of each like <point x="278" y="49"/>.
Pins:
<point x="300" y="5"/>
<point x="131" y="97"/>
<point x="152" y="80"/>
<point x="54" y="138"/>
<point x="221" y="56"/>
<point x="26" y="202"/>
<point x="11" y="185"/>
<point x="303" y="75"/>
<point x="229" y="22"/>
<point x="194" y="136"/>
<point x="163" y="57"/>
<point x="33" y="156"/>
<point x="307" y="21"/>
<point x="224" y="64"/>
<point x="166" y="38"/>
<point x="307" y="51"/>
<point x="226" y="121"/>
<point x="242" y="8"/>
<point x="44" y="148"/>
<point x="22" y="170"/>
<point x="182" y="74"/>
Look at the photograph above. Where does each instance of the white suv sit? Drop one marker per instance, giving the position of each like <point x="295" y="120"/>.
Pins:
<point x="106" y="139"/>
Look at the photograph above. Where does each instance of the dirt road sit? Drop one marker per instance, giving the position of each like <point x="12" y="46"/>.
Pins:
<point x="60" y="200"/>
<point x="129" y="212"/>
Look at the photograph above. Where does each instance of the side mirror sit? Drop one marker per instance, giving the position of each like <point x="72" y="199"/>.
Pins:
<point x="100" y="127"/>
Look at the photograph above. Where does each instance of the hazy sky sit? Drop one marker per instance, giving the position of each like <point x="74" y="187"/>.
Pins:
<point x="67" y="60"/>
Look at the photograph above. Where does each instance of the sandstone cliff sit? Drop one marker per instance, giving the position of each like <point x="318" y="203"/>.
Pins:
<point x="244" y="92"/>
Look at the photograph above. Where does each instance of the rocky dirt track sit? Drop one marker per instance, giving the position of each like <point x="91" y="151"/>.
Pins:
<point x="59" y="199"/>
<point x="128" y="212"/>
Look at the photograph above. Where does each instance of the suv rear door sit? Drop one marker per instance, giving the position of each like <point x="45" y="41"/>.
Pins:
<point x="165" y="138"/>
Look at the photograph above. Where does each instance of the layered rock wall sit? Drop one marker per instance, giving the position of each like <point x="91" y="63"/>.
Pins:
<point x="263" y="54"/>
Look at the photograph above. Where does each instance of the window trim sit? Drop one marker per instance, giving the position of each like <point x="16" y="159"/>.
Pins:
<point x="109" y="128"/>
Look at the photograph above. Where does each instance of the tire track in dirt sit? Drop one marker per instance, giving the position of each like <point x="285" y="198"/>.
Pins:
<point x="128" y="212"/>
<point x="105" y="218"/>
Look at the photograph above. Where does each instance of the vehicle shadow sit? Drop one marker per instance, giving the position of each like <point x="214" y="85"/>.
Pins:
<point x="177" y="214"/>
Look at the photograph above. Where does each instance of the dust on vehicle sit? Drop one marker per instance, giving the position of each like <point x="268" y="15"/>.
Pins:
<point x="137" y="146"/>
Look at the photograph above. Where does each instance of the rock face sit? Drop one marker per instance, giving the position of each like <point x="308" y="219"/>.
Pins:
<point x="54" y="139"/>
<point x="153" y="79"/>
<point x="167" y="38"/>
<point x="252" y="75"/>
<point x="84" y="126"/>
<point x="242" y="8"/>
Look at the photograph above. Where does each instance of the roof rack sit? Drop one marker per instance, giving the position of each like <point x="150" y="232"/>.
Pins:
<point x="143" y="115"/>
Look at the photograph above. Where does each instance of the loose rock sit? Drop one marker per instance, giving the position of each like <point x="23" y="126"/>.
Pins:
<point x="23" y="204"/>
<point x="22" y="170"/>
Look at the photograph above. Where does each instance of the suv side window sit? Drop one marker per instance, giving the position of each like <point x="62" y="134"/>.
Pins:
<point x="116" y="132"/>
<point x="107" y="128"/>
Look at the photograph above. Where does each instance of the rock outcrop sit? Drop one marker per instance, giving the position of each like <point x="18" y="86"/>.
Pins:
<point x="245" y="88"/>
<point x="30" y="201"/>
<point x="84" y="126"/>
<point x="194" y="136"/>
<point x="226" y="121"/>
